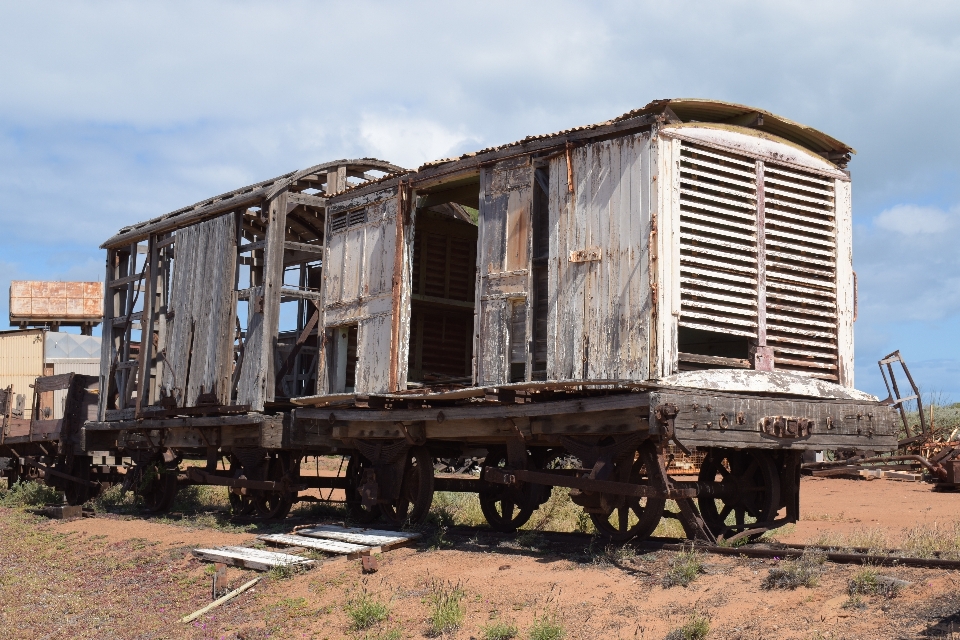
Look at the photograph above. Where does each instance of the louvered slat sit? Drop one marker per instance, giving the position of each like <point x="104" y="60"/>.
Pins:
<point x="718" y="242"/>
<point x="801" y="271"/>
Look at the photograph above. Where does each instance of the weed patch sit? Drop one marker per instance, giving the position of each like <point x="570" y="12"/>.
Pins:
<point x="929" y="541"/>
<point x="30" y="494"/>
<point x="868" y="582"/>
<point x="790" y="574"/>
<point x="365" y="611"/>
<point x="499" y="631"/>
<point x="446" y="607"/>
<point x="685" y="567"/>
<point x="547" y="627"/>
<point x="695" y="628"/>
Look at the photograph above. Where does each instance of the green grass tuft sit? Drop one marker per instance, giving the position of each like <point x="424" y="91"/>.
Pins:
<point x="685" y="567"/>
<point x="790" y="574"/>
<point x="499" y="631"/>
<point x="365" y="611"/>
<point x="868" y="582"/>
<point x="696" y="628"/>
<point x="547" y="627"/>
<point x="30" y="494"/>
<point x="446" y="607"/>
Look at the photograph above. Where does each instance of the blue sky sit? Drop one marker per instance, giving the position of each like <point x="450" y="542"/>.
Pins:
<point x="112" y="113"/>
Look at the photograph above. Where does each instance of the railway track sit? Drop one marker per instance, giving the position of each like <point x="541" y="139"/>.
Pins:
<point x="856" y="555"/>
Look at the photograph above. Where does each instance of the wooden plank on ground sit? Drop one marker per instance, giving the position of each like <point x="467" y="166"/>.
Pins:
<point x="248" y="558"/>
<point x="320" y="544"/>
<point x="370" y="537"/>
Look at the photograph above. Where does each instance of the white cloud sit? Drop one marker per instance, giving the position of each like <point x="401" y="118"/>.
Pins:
<point x="911" y="219"/>
<point x="115" y="112"/>
<point x="409" y="142"/>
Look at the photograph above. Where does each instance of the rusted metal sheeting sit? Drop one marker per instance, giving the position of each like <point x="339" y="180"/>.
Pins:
<point x="34" y="301"/>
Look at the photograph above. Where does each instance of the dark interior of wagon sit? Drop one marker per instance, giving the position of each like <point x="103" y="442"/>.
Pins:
<point x="700" y="349"/>
<point x="443" y="286"/>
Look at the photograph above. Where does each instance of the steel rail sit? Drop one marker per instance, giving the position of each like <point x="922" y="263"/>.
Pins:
<point x="766" y="551"/>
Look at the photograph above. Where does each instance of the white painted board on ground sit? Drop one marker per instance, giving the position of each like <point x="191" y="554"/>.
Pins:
<point x="250" y="558"/>
<point x="321" y="544"/>
<point x="368" y="537"/>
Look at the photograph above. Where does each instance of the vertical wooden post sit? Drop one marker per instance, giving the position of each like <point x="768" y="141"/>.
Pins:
<point x="322" y="383"/>
<point x="397" y="288"/>
<point x="763" y="355"/>
<point x="272" y="283"/>
<point x="146" y="326"/>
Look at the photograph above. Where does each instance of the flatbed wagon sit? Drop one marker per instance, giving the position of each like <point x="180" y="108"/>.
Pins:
<point x="564" y="307"/>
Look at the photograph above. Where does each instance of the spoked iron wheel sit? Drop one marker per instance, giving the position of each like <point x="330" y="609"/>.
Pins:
<point x="506" y="508"/>
<point x="355" y="508"/>
<point x="629" y="517"/>
<point x="274" y="505"/>
<point x="416" y="489"/>
<point x="746" y="486"/>
<point x="157" y="485"/>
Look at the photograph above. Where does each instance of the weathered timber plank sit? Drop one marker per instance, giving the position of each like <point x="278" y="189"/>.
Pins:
<point x="606" y="422"/>
<point x="838" y="423"/>
<point x="52" y="383"/>
<point x="247" y="558"/>
<point x="582" y="405"/>
<point x="170" y="423"/>
<point x="846" y="293"/>
<point x="334" y="546"/>
<point x="199" y="351"/>
<point x="358" y="536"/>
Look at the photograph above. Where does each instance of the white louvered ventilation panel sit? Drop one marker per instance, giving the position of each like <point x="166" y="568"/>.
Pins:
<point x="801" y="271"/>
<point x="718" y="241"/>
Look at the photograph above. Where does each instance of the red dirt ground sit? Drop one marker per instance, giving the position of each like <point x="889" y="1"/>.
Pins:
<point x="122" y="577"/>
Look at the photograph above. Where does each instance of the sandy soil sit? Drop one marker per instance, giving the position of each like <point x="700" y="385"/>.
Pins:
<point x="833" y="505"/>
<point x="122" y="577"/>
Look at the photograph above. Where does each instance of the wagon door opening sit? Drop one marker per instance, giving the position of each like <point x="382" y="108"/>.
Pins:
<point x="443" y="282"/>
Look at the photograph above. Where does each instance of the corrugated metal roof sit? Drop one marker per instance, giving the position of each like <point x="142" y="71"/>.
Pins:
<point x="695" y="110"/>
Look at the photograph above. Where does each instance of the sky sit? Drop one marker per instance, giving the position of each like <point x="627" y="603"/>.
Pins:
<point x="115" y="112"/>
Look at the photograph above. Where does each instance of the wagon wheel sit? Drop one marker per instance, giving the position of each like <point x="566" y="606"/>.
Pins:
<point x="274" y="505"/>
<point x="746" y="484"/>
<point x="240" y="504"/>
<point x="507" y="508"/>
<point x="629" y="517"/>
<point x="356" y="510"/>
<point x="157" y="485"/>
<point x="416" y="489"/>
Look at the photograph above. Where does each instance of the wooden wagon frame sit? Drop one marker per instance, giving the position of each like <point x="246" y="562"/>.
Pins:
<point x="681" y="274"/>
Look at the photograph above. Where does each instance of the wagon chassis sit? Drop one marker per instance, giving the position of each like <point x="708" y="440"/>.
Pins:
<point x="618" y="438"/>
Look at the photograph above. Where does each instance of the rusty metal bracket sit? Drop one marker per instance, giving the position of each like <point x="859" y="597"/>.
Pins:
<point x="665" y="415"/>
<point x="415" y="439"/>
<point x="786" y="426"/>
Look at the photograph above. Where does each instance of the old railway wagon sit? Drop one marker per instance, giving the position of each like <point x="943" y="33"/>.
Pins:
<point x="44" y="442"/>
<point x="679" y="275"/>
